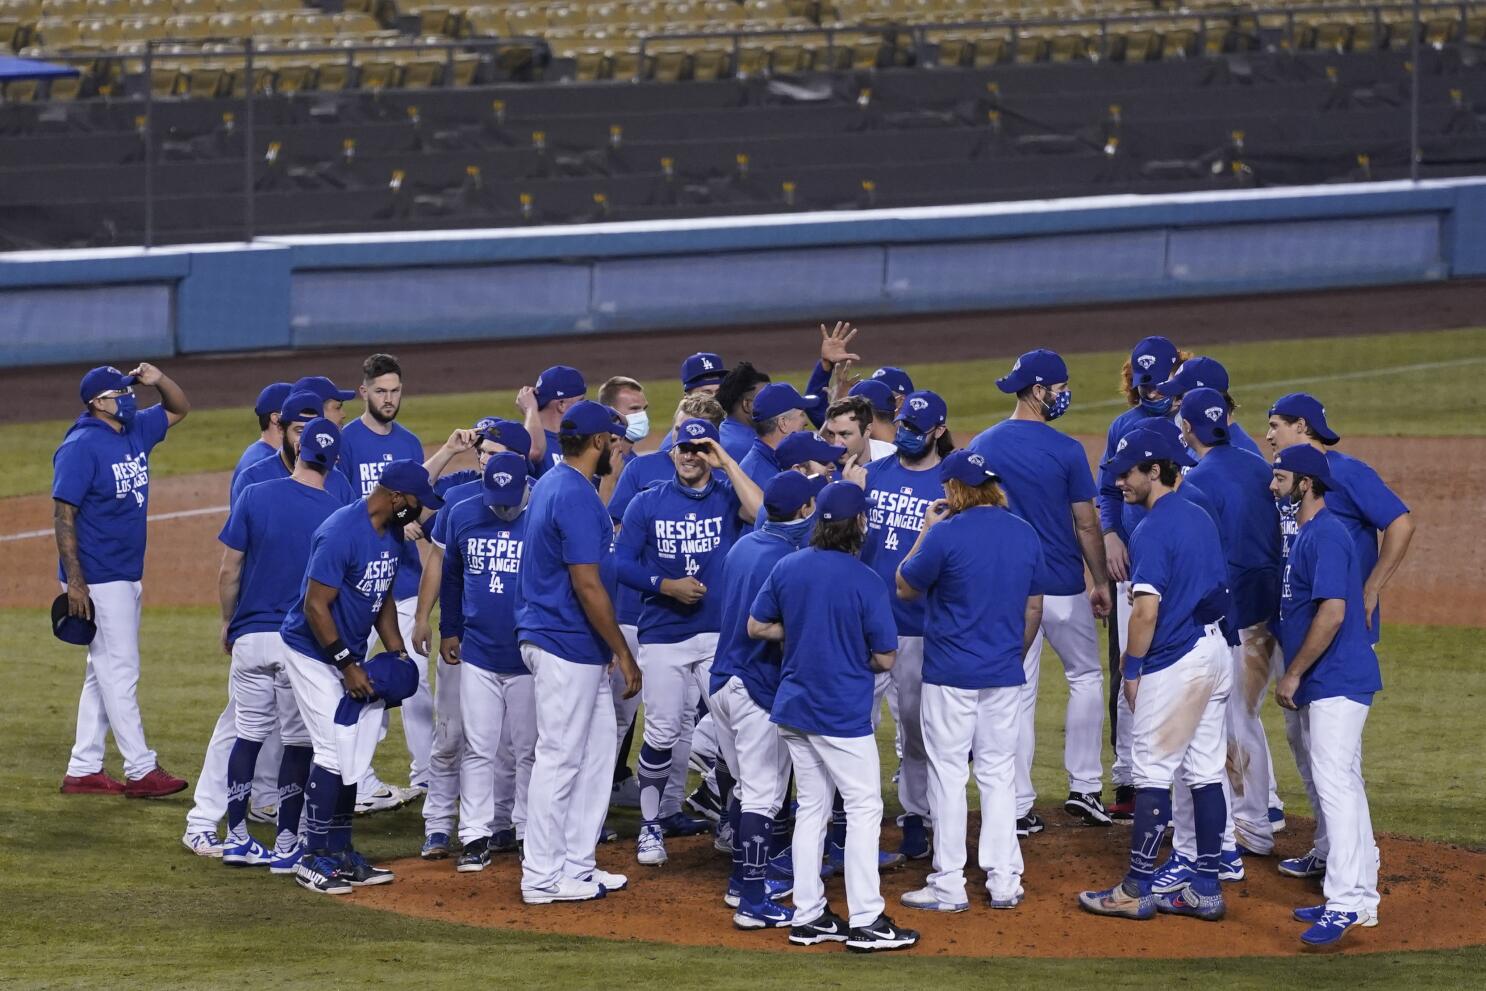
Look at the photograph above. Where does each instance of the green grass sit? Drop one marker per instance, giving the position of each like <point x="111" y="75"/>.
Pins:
<point x="1365" y="382"/>
<point x="99" y="893"/>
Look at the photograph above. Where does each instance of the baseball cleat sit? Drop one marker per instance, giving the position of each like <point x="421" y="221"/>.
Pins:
<point x="1174" y="875"/>
<point x="766" y="915"/>
<point x="383" y="798"/>
<point x="1029" y="824"/>
<point x="733" y="897"/>
<point x="203" y="844"/>
<point x="608" y="834"/>
<point x="723" y="841"/>
<point x="1086" y="806"/>
<point x="321" y="874"/>
<point x="608" y="881"/>
<point x="565" y="890"/>
<point x="1009" y="902"/>
<point x="828" y="927"/>
<point x="650" y="848"/>
<point x="284" y="861"/>
<point x="782" y="866"/>
<point x="1230" y="866"/>
<point x="1329" y="928"/>
<point x="1122" y="809"/>
<point x="474" y="857"/>
<point x="836" y="860"/>
<point x="928" y="900"/>
<point x="97" y="783"/>
<point x="681" y="824"/>
<point x="1189" y="901"/>
<point x="1311" y="865"/>
<point x="504" y="841"/>
<point x="1119" y="902"/>
<point x="264" y="813"/>
<point x="355" y="869"/>
<point x="156" y="784"/>
<point x="880" y="936"/>
<point x="626" y="793"/>
<point x="699" y="763"/>
<point x="915" y="844"/>
<point x="248" y="854"/>
<point x="706" y="803"/>
<point x="1277" y="819"/>
<point x="436" y="847"/>
<point x="1365" y="919"/>
<point x="778" y="888"/>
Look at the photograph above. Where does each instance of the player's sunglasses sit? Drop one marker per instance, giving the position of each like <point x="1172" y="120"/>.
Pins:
<point x="692" y="448"/>
<point x="113" y="394"/>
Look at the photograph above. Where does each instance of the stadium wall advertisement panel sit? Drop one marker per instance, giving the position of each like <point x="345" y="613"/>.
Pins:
<point x="407" y="287"/>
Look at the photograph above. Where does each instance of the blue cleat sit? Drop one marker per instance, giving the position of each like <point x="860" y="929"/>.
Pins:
<point x="1188" y="901"/>
<point x="915" y="845"/>
<point x="247" y="854"/>
<point x="1230" y="866"/>
<point x="778" y="888"/>
<point x="504" y="841"/>
<point x="436" y="847"/>
<point x="782" y="867"/>
<point x="734" y="895"/>
<point x="1366" y="920"/>
<point x="1311" y="865"/>
<point x="1277" y="819"/>
<point x="1174" y="875"/>
<point x="1329" y="928"/>
<point x="836" y="859"/>
<point x="284" y="861"/>
<point x="681" y="824"/>
<point x="765" y="915"/>
<point x="1119" y="902"/>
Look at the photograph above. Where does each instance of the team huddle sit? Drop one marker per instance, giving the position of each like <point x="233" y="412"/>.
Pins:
<point x="785" y="563"/>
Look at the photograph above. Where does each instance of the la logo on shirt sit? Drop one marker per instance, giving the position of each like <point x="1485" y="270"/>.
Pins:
<point x="131" y="477"/>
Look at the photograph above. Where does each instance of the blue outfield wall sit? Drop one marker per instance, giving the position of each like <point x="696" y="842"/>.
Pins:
<point x="314" y="291"/>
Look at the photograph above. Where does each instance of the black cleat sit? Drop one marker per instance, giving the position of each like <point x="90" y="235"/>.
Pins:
<point x="829" y="928"/>
<point x="475" y="856"/>
<point x="879" y="936"/>
<point x="1029" y="824"/>
<point x="1088" y="808"/>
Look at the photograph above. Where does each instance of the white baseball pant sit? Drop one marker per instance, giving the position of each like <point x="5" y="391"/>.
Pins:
<point x="908" y="681"/>
<point x="209" y="800"/>
<point x="704" y="743"/>
<point x="624" y="709"/>
<point x="676" y="677"/>
<point x="1067" y="624"/>
<point x="1119" y="770"/>
<point x="1180" y="719"/>
<point x="445" y="758"/>
<point x="1344" y="837"/>
<point x="960" y="721"/>
<point x="496" y="708"/>
<point x="573" y="772"/>
<point x="1249" y="765"/>
<point x="825" y="765"/>
<point x="261" y="694"/>
<point x="882" y="688"/>
<point x="318" y="690"/>
<point x="110" y="696"/>
<point x="752" y="748"/>
<point x="417" y="712"/>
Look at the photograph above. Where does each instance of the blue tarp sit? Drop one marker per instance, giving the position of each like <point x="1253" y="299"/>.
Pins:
<point x="20" y="68"/>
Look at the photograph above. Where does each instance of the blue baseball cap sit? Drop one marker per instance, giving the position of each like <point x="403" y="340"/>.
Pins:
<point x="702" y="368"/>
<point x="1196" y="373"/>
<point x="923" y="411"/>
<point x="894" y="378"/>
<point x="507" y="433"/>
<point x="104" y="378"/>
<point x="693" y="430"/>
<point x="1310" y="409"/>
<point x="840" y="501"/>
<point x="968" y="467"/>
<point x="324" y="388"/>
<point x="1146" y="444"/>
<point x="1151" y="361"/>
<point x="1302" y="459"/>
<point x="301" y="406"/>
<point x="1206" y="413"/>
<point x="588" y="418"/>
<point x="320" y="443"/>
<point x="504" y="479"/>
<point x="780" y="397"/>
<point x="271" y="399"/>
<point x="1172" y="434"/>
<point x="802" y="446"/>
<point x="393" y="679"/>
<point x="786" y="492"/>
<point x="1040" y="367"/>
<point x="876" y="393"/>
<point x="559" y="382"/>
<point x="410" y="478"/>
<point x="80" y="631"/>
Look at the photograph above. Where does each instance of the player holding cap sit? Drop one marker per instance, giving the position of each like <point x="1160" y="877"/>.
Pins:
<point x="266" y="543"/>
<point x="101" y="496"/>
<point x="1202" y="372"/>
<point x="674" y="539"/>
<point x="832" y="646"/>
<point x="975" y="566"/>
<point x="1330" y="678"/>
<point x="556" y="391"/>
<point x="1047" y="480"/>
<point x="565" y="623"/>
<point x="1177" y="673"/>
<point x="477" y="626"/>
<point x="270" y="435"/>
<point x="345" y="592"/>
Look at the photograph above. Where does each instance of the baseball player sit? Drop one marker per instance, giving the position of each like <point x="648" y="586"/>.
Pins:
<point x="298" y="410"/>
<point x="556" y="390"/>
<point x="778" y="411"/>
<point x="1330" y="678"/>
<point x="270" y="435"/>
<point x="823" y="707"/>
<point x="568" y="636"/>
<point x="975" y="566"/>
<point x="897" y="380"/>
<point x="899" y="491"/>
<point x="848" y="424"/>
<point x="266" y="543"/>
<point x="1202" y="372"/>
<point x="346" y="591"/>
<point x="1177" y="671"/>
<point x="674" y="538"/>
<point x="884" y="408"/>
<point x="334" y="398"/>
<point x="745" y="678"/>
<point x="736" y="393"/>
<point x="626" y="396"/>
<point x="101" y="492"/>
<point x="1047" y="480"/>
<point x="477" y="625"/>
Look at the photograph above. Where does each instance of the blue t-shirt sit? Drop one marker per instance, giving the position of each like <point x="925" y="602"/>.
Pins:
<point x="640" y="472"/>
<point x="975" y="572"/>
<point x="106" y="475"/>
<point x="481" y="581"/>
<point x="1364" y="505"/>
<point x="760" y="463"/>
<point x="252" y="454"/>
<point x="1045" y="473"/>
<point x="737" y="438"/>
<point x="1111" y="503"/>
<point x="364" y="453"/>
<point x="1176" y="553"/>
<point x="566" y="524"/>
<point x="272" y="469"/>
<point x="1239" y="438"/>
<point x="272" y="524"/>
<point x="825" y="678"/>
<point x="348" y="555"/>
<point x="672" y="531"/>
<point x="453" y="488"/>
<point x="551" y="457"/>
<point x="897" y="498"/>
<point x="1237" y="484"/>
<point x="753" y="662"/>
<point x="1322" y="566"/>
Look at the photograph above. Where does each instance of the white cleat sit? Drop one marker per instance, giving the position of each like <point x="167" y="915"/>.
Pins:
<point x="650" y="849"/>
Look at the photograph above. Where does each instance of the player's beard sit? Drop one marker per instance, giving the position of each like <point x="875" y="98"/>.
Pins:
<point x="606" y="462"/>
<point x="381" y="417"/>
<point x="291" y="448"/>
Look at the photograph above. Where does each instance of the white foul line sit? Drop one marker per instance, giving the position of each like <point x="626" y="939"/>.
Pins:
<point x="178" y="515"/>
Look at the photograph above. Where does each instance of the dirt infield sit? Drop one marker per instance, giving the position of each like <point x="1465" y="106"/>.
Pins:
<point x="1434" y="897"/>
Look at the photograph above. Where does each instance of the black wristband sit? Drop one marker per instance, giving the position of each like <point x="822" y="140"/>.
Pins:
<point x="339" y="654"/>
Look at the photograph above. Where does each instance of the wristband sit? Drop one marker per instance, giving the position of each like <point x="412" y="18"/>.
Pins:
<point x="338" y="654"/>
<point x="1132" y="664"/>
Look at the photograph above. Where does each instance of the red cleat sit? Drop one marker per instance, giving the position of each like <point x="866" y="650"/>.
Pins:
<point x="97" y="783"/>
<point x="157" y="784"/>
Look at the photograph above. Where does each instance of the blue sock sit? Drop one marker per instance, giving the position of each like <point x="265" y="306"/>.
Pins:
<point x="322" y="794"/>
<point x="725" y="783"/>
<point x="1210" y="814"/>
<point x="1152" y="813"/>
<point x="293" y="770"/>
<point x="240" y="787"/>
<point x="654" y="772"/>
<point x="781" y="866"/>
<point x="751" y="851"/>
<point x="340" y="826"/>
<point x="838" y="822"/>
<point x="734" y="815"/>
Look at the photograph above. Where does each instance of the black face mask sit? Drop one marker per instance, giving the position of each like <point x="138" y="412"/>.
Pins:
<point x="409" y="513"/>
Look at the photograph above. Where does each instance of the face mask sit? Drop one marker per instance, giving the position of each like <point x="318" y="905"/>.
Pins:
<point x="639" y="426"/>
<point x="1059" y="405"/>
<point x="127" y="408"/>
<point x="910" y="442"/>
<point x="407" y="514"/>
<point x="1160" y="406"/>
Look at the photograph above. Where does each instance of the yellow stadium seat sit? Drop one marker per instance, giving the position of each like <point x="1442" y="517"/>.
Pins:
<point x="485" y="21"/>
<point x="205" y="8"/>
<point x="379" y="71"/>
<point x="292" y="75"/>
<point x="345" y="23"/>
<point x="1179" y="43"/>
<point x="56" y="34"/>
<point x="73" y="9"/>
<point x="228" y="26"/>
<point x="1142" y="45"/>
<point x="108" y="8"/>
<point x="334" y="73"/>
<point x="151" y="8"/>
<point x="143" y="28"/>
<point x="1031" y="46"/>
<point x="188" y="26"/>
<point x="204" y="79"/>
<point x="711" y="61"/>
<point x="422" y="70"/>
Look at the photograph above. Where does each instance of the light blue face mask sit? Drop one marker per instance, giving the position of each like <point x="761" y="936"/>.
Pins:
<point x="1059" y="405"/>
<point x="910" y="442"/>
<point x="1159" y="406"/>
<point x="638" y="427"/>
<point x="127" y="408"/>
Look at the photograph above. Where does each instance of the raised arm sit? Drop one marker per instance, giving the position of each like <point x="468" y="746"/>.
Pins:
<point x="531" y="419"/>
<point x="172" y="396"/>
